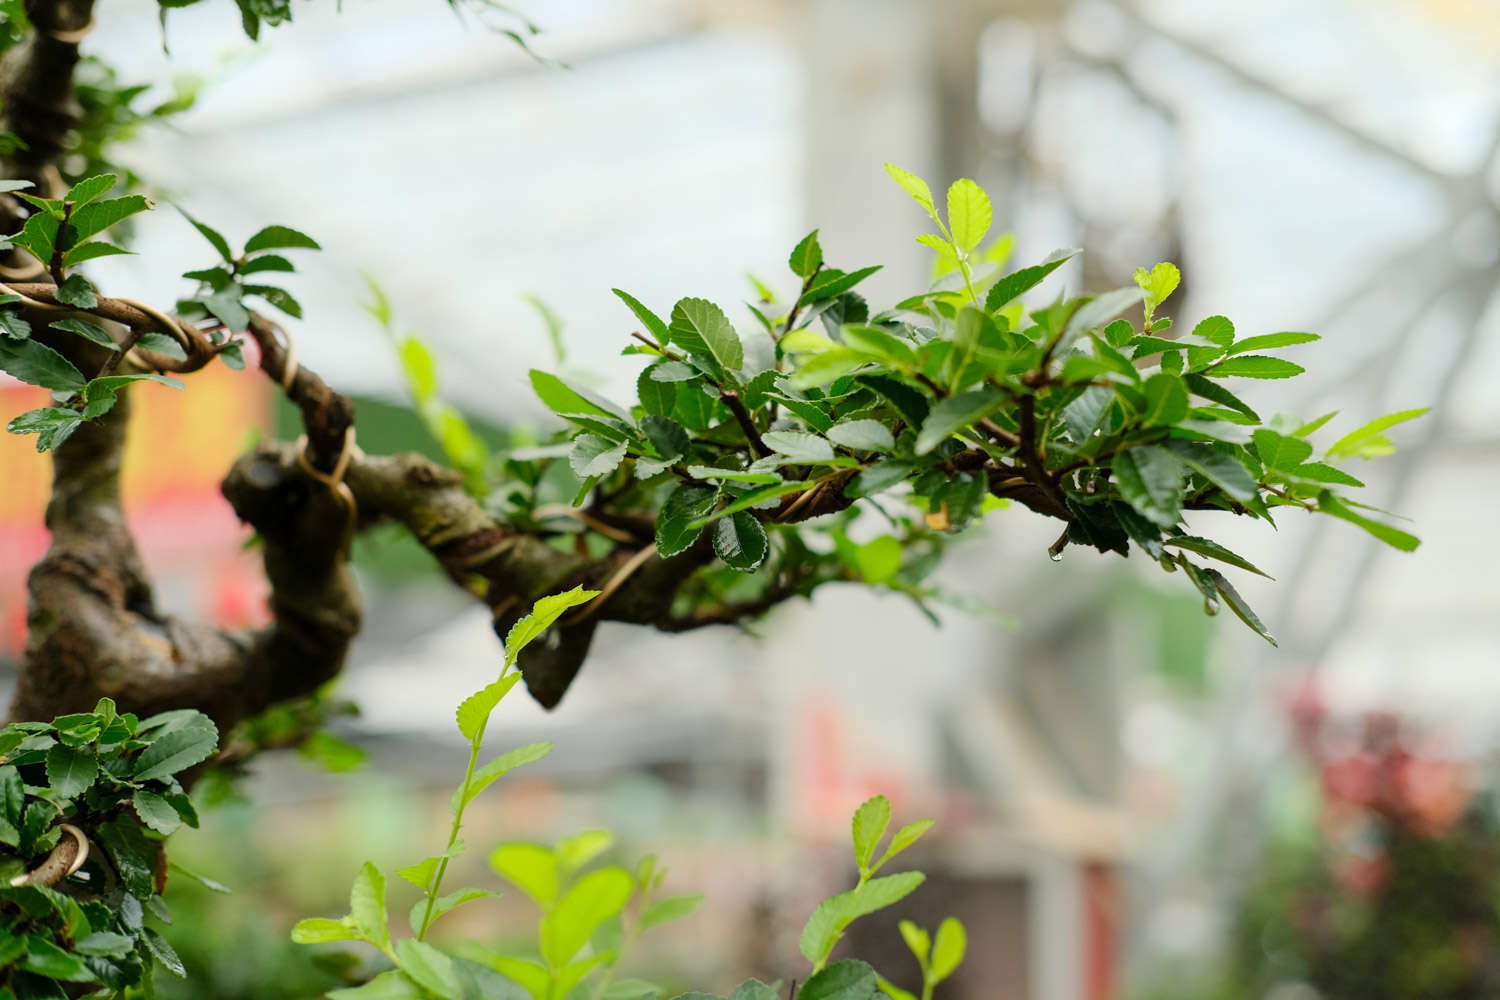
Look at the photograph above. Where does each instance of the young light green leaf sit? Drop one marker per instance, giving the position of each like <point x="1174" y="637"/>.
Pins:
<point x="879" y="559"/>
<point x="1356" y="441"/>
<point x="429" y="968"/>
<point x="917" y="940"/>
<point x="499" y="767"/>
<point x="969" y="213"/>
<point x="1157" y="284"/>
<point x="868" y="826"/>
<point x="392" y="985"/>
<point x="532" y="868"/>
<point x="318" y="930"/>
<point x="88" y="189"/>
<point x="1216" y="330"/>
<point x="593" y="899"/>
<point x="893" y="991"/>
<point x="475" y="710"/>
<point x="276" y="237"/>
<point x="562" y="398"/>
<point x="1150" y="480"/>
<point x="367" y="906"/>
<point x="826" y="925"/>
<point x="916" y="187"/>
<point x="546" y="611"/>
<point x="904" y="838"/>
<point x="740" y="540"/>
<point x="700" y="327"/>
<point x="947" y="949"/>
<point x="533" y="976"/>
<point x="954" y="413"/>
<point x="671" y="908"/>
<point x="447" y="901"/>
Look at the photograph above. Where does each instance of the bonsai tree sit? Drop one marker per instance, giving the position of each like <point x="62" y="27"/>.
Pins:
<point x="724" y="488"/>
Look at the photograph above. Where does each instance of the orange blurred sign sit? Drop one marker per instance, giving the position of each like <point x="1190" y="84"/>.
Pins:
<point x="181" y="442"/>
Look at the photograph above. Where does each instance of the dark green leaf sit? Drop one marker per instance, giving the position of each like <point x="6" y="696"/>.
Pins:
<point x="807" y="256"/>
<point x="155" y="811"/>
<point x="1271" y="341"/>
<point x="649" y="319"/>
<point x="76" y="291"/>
<point x="1237" y="604"/>
<point x="13" y="326"/>
<point x="656" y="397"/>
<point x="177" y="750"/>
<point x="1150" y="480"/>
<point x="218" y="242"/>
<point x="686" y="505"/>
<point x="880" y="476"/>
<point x="163" y="953"/>
<point x="666" y="436"/>
<point x="833" y="282"/>
<point x="1255" y="366"/>
<point x="955" y="413"/>
<point x="88" y="331"/>
<point x="1013" y="285"/>
<point x="91" y="251"/>
<point x="274" y="237"/>
<point x="1225" y="471"/>
<point x="53" y="425"/>
<point x="70" y="770"/>
<point x="849" y="979"/>
<point x="701" y="327"/>
<point x="1212" y="549"/>
<point x="88" y="189"/>
<point x="593" y="456"/>
<point x="1211" y="390"/>
<point x="741" y="541"/>
<point x="161" y="343"/>
<point x="98" y="216"/>
<point x="37" y="364"/>
<point x="1166" y="400"/>
<point x="278" y="297"/>
<point x="266" y="262"/>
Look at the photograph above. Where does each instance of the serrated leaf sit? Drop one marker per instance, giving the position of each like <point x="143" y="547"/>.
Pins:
<point x="1254" y="366"/>
<point x="849" y="979"/>
<point x="740" y="540"/>
<point x="70" y="770"/>
<point x="367" y="906"/>
<point x="807" y="256"/>
<point x="685" y="506"/>
<point x="799" y="446"/>
<point x="543" y="613"/>
<point x="880" y="476"/>
<point x="97" y="216"/>
<point x="1224" y="471"/>
<point x="594" y="456"/>
<point x="1216" y="330"/>
<point x="904" y="838"/>
<point x="276" y="237"/>
<point x="92" y="251"/>
<point x="969" y="213"/>
<point x="177" y="750"/>
<point x="475" y="710"/>
<point x="429" y="968"/>
<point x="649" y="319"/>
<point x="155" y="811"/>
<point x="667" y="436"/>
<point x="500" y="767"/>
<point x="88" y="189"/>
<point x="657" y="397"/>
<point x="1166" y="400"/>
<point x="76" y="291"/>
<point x="954" y="413"/>
<point x="1277" y="451"/>
<point x="868" y="826"/>
<point x="700" y="327"/>
<point x="1150" y="480"/>
<point x="863" y="435"/>
<point x="1157" y="284"/>
<point x="1271" y="341"/>
<point x="89" y="331"/>
<point x="826" y="925"/>
<point x="831" y="283"/>
<point x="1017" y="283"/>
<point x="1212" y="549"/>
<point x="1237" y="604"/>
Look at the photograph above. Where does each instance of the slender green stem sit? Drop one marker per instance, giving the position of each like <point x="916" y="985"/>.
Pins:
<point x="458" y="819"/>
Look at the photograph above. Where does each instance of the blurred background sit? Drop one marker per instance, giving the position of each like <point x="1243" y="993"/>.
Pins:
<point x="1133" y="800"/>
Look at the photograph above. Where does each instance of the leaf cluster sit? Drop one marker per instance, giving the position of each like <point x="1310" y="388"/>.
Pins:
<point x="115" y="778"/>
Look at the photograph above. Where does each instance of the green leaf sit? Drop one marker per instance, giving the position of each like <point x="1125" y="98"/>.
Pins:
<point x="1212" y="549"/>
<point x="163" y="953"/>
<point x="666" y="436"/>
<point x="914" y="186"/>
<point x="740" y="540"/>
<point x="1216" y="330"/>
<point x="543" y="613"/>
<point x="564" y="399"/>
<point x="532" y="976"/>
<point x="37" y="364"/>
<point x="820" y="369"/>
<point x="92" y="251"/>
<point x="1277" y="451"/>
<point x="1157" y="283"/>
<point x="38" y="236"/>
<point x="878" y="343"/>
<point x="754" y="498"/>
<point x="97" y="216"/>
<point x="70" y="770"/>
<point x="807" y="256"/>
<point x="155" y="811"/>
<point x="500" y="767"/>
<point x="969" y="213"/>
<point x="826" y="925"/>
<point x="657" y="397"/>
<point x="700" y="327"/>
<point x="893" y="991"/>
<point x="275" y="237"/>
<point x="593" y="456"/>
<point x="1150" y="480"/>
<point x="954" y="413"/>
<point x="88" y="189"/>
<point x="76" y="291"/>
<point x="849" y="979"/>
<point x="649" y="319"/>
<point x="1254" y="366"/>
<point x="177" y="750"/>
<point x="879" y="559"/>
<point x="947" y="949"/>
<point x="1356" y="443"/>
<point x="474" y="711"/>
<point x="753" y="989"/>
<point x="831" y="283"/>
<point x="105" y="943"/>
<point x="1211" y="390"/>
<point x="317" y="930"/>
<point x="880" y="476"/>
<point x="278" y="297"/>
<point x="1313" y="425"/>
<point x="87" y="330"/>
<point x="428" y="968"/>
<point x="868" y="826"/>
<point x="13" y="326"/>
<point x="671" y="908"/>
<point x="218" y="242"/>
<point x="904" y="838"/>
<point x="532" y="868"/>
<point x="1224" y="471"/>
<point x="1166" y="400"/>
<point x="270" y="262"/>
<point x="444" y="903"/>
<point x="1237" y="604"/>
<point x="593" y="899"/>
<point x="1271" y="341"/>
<point x="46" y="959"/>
<point x="1394" y="537"/>
<point x="799" y="446"/>
<point x="367" y="906"/>
<point x="392" y="985"/>
<point x="1321" y="473"/>
<point x="685" y="506"/>
<point x="862" y="435"/>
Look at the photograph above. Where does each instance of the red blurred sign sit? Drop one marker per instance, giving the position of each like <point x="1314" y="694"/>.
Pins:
<point x="180" y="445"/>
